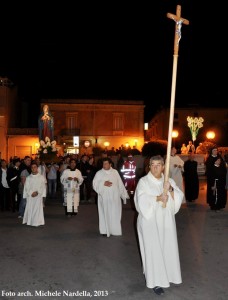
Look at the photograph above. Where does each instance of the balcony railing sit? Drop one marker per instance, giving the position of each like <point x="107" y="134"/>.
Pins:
<point x="35" y="131"/>
<point x="22" y="131"/>
<point x="71" y="132"/>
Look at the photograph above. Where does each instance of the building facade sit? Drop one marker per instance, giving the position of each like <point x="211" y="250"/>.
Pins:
<point x="96" y="123"/>
<point x="215" y="119"/>
<point x="8" y="111"/>
<point x="79" y="126"/>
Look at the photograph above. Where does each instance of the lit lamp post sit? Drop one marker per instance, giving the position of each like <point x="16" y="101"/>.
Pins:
<point x="210" y="135"/>
<point x="64" y="149"/>
<point x="36" y="148"/>
<point x="145" y="126"/>
<point x="106" y="144"/>
<point x="175" y="134"/>
<point x="145" y="131"/>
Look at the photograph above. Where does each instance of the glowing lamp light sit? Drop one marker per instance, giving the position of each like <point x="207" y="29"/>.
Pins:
<point x="175" y="134"/>
<point x="36" y="147"/>
<point x="106" y="144"/>
<point x="210" y="135"/>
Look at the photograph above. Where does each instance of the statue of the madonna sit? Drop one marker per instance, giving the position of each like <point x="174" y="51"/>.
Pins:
<point x="46" y="124"/>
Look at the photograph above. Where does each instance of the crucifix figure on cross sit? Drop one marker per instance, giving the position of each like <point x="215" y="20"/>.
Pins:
<point x="178" y="31"/>
<point x="179" y="21"/>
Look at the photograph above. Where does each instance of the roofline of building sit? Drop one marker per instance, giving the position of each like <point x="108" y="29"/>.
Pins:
<point x="92" y="101"/>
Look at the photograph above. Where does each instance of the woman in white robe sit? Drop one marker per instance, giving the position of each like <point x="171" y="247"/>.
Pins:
<point x="110" y="189"/>
<point x="156" y="226"/>
<point x="34" y="191"/>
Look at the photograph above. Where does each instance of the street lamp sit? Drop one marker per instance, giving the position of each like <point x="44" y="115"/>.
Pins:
<point x="36" y="148"/>
<point x="146" y="127"/>
<point x="175" y="134"/>
<point x="210" y="135"/>
<point x="106" y="144"/>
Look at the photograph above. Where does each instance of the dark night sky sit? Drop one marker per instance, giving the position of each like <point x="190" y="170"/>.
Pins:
<point x="114" y="52"/>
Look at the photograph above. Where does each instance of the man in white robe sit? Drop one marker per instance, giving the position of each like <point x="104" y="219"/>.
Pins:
<point x="71" y="179"/>
<point x="42" y="169"/>
<point x="176" y="170"/>
<point x="156" y="227"/>
<point x="110" y="189"/>
<point x="34" y="191"/>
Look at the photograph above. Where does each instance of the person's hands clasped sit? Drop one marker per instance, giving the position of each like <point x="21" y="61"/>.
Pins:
<point x="177" y="166"/>
<point x="108" y="183"/>
<point x="72" y="178"/>
<point x="34" y="194"/>
<point x="45" y="117"/>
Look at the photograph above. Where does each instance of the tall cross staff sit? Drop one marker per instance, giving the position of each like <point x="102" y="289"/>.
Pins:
<point x="179" y="21"/>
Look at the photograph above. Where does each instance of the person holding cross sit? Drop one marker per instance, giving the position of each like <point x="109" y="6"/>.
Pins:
<point x="157" y="202"/>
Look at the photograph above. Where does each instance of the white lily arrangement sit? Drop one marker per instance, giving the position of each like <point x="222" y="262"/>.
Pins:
<point x="194" y="124"/>
<point x="47" y="146"/>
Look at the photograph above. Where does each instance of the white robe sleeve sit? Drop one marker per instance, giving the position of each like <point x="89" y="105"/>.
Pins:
<point x="145" y="202"/>
<point x="26" y="189"/>
<point x="123" y="192"/>
<point x="79" y="176"/>
<point x="175" y="204"/>
<point x="63" y="177"/>
<point x="98" y="183"/>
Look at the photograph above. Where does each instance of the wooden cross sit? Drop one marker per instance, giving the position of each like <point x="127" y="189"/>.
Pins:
<point x="179" y="21"/>
<point x="177" y="18"/>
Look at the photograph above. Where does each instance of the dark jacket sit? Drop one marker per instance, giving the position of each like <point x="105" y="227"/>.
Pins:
<point x="13" y="178"/>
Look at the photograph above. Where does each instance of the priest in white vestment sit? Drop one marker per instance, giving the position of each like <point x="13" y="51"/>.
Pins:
<point x="71" y="179"/>
<point x="176" y="169"/>
<point x="110" y="189"/>
<point x="34" y="191"/>
<point x="156" y="227"/>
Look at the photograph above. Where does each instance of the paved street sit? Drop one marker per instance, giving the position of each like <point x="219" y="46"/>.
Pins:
<point x="68" y="259"/>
